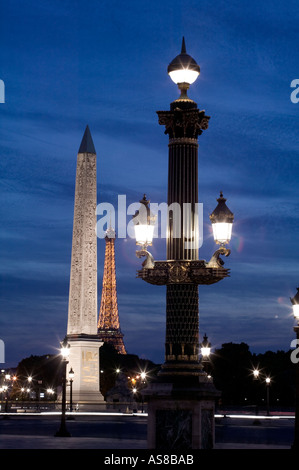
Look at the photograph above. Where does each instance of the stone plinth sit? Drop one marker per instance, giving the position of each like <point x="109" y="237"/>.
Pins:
<point x="84" y="359"/>
<point x="181" y="416"/>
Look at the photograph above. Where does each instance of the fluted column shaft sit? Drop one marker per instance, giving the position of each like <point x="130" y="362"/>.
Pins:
<point x="182" y="240"/>
<point x="183" y="124"/>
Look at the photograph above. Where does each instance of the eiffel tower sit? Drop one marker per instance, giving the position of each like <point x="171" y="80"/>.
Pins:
<point x="108" y="325"/>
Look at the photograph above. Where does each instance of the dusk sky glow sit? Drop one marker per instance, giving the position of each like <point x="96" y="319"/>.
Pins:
<point x="66" y="64"/>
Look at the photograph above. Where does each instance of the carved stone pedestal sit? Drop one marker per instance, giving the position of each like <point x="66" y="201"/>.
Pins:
<point x="84" y="359"/>
<point x="181" y="415"/>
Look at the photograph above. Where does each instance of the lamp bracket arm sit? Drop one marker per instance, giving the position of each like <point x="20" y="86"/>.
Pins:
<point x="149" y="262"/>
<point x="216" y="261"/>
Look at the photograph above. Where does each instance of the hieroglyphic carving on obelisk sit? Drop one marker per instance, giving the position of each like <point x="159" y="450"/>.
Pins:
<point x="82" y="314"/>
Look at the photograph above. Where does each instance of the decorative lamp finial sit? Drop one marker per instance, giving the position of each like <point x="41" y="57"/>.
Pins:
<point x="183" y="70"/>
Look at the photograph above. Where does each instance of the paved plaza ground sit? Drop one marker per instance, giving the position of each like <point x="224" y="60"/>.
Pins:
<point x="128" y="431"/>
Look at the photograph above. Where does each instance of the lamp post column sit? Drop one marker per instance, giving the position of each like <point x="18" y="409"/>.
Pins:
<point x="71" y="375"/>
<point x="184" y="122"/>
<point x="63" y="432"/>
<point x="182" y="317"/>
<point x="268" y="395"/>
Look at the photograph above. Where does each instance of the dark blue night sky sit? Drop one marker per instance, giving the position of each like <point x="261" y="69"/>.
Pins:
<point x="67" y="64"/>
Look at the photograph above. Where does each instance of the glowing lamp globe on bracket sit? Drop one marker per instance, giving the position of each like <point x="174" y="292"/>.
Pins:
<point x="295" y="304"/>
<point x="144" y="224"/>
<point x="222" y="222"/>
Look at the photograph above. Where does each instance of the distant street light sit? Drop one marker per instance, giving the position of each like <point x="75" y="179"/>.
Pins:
<point x="143" y="376"/>
<point x="205" y="348"/>
<point x="71" y="376"/>
<point x="295" y="304"/>
<point x="65" y="354"/>
<point x="5" y="390"/>
<point x="256" y="374"/>
<point x="268" y="381"/>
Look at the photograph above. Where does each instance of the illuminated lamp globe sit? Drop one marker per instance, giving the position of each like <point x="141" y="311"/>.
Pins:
<point x="222" y="222"/>
<point x="183" y="68"/>
<point x="65" y="349"/>
<point x="183" y="71"/>
<point x="205" y="347"/>
<point x="295" y="303"/>
<point x="144" y="224"/>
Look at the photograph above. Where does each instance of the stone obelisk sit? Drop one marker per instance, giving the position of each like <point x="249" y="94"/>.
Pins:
<point x="82" y="314"/>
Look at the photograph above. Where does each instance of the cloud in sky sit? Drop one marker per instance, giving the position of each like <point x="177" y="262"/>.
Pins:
<point x="68" y="64"/>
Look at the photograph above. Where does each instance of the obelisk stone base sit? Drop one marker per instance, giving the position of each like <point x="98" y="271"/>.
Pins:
<point x="84" y="359"/>
<point x="181" y="415"/>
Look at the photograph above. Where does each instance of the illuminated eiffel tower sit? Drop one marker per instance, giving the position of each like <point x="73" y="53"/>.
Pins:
<point x="108" y="325"/>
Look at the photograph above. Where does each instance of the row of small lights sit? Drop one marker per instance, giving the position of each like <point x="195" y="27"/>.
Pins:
<point x="14" y="378"/>
<point x="205" y="351"/>
<point x="142" y="376"/>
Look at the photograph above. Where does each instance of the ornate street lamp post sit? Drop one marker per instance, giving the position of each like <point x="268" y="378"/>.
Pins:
<point x="183" y="396"/>
<point x="268" y="381"/>
<point x="295" y="304"/>
<point x="205" y="351"/>
<point x="71" y="376"/>
<point x="64" y="351"/>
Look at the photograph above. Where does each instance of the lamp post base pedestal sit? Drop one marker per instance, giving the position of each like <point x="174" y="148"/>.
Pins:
<point x="295" y="446"/>
<point x="181" y="413"/>
<point x="62" y="433"/>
